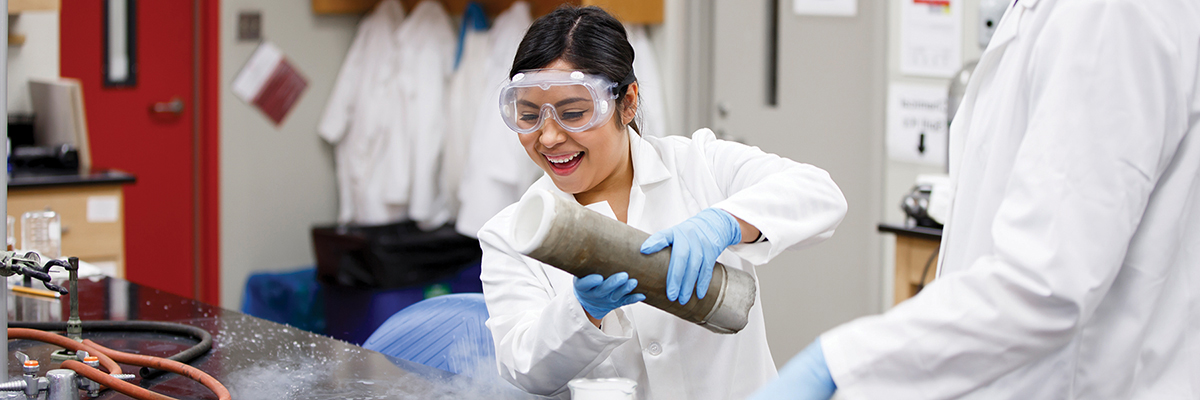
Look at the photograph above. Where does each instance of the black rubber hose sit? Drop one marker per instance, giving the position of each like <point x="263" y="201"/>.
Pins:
<point x="185" y="356"/>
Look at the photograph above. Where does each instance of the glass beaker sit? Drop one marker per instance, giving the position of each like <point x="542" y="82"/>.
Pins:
<point x="41" y="231"/>
<point x="602" y="389"/>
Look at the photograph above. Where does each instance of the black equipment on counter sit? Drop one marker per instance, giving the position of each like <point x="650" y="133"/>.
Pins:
<point x="37" y="158"/>
<point x="391" y="256"/>
<point x="916" y="207"/>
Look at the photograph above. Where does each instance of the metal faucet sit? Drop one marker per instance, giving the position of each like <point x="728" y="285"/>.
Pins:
<point x="59" y="384"/>
<point x="29" y="383"/>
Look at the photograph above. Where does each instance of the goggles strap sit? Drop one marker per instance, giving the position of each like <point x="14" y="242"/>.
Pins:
<point x="619" y="89"/>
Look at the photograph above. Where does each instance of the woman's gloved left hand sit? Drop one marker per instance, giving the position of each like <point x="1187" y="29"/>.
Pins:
<point x="599" y="295"/>
<point x="695" y="244"/>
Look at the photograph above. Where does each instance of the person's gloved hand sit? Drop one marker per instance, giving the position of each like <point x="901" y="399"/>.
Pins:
<point x="695" y="244"/>
<point x="598" y="296"/>
<point x="805" y="377"/>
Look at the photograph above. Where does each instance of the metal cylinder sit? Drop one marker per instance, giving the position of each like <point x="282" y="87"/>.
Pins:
<point x="62" y="385"/>
<point x="563" y="234"/>
<point x="74" y="324"/>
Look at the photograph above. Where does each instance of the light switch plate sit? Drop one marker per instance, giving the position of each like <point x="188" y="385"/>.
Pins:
<point x="249" y="26"/>
<point x="990" y="12"/>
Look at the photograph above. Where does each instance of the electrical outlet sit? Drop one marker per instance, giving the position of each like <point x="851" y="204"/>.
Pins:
<point x="990" y="12"/>
<point x="249" y="26"/>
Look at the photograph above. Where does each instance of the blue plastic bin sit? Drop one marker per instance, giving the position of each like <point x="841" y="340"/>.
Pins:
<point x="293" y="298"/>
<point x="355" y="313"/>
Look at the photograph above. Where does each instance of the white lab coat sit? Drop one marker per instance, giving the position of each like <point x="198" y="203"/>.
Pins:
<point x="1071" y="261"/>
<point x="544" y="339"/>
<point x="498" y="170"/>
<point x="652" y="108"/>
<point x="360" y="120"/>
<point x="426" y="55"/>
<point x="468" y="86"/>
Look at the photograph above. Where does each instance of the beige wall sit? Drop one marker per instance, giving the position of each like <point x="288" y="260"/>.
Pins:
<point x="276" y="182"/>
<point x="829" y="113"/>
<point x="899" y="176"/>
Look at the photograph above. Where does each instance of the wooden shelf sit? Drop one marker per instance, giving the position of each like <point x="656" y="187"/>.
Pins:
<point x="630" y="11"/>
<point x="20" y="6"/>
<point x="16" y="39"/>
<point x="342" y="6"/>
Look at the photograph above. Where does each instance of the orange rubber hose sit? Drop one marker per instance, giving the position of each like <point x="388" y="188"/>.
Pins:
<point x="127" y="388"/>
<point x="165" y="364"/>
<point x="61" y="341"/>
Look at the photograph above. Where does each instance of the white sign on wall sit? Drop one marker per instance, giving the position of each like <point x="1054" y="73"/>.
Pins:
<point x="930" y="37"/>
<point x="838" y="8"/>
<point x="916" y="124"/>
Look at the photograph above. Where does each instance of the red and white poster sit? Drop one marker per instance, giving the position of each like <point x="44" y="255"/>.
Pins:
<point x="269" y="82"/>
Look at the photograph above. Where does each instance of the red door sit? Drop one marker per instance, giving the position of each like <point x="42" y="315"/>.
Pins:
<point x="163" y="149"/>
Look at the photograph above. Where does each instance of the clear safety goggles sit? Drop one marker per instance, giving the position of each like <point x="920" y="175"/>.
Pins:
<point x="576" y="100"/>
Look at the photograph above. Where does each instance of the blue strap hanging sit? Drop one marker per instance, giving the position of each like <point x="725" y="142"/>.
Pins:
<point x="473" y="18"/>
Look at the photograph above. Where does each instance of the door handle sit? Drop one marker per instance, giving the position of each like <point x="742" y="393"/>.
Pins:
<point x="174" y="107"/>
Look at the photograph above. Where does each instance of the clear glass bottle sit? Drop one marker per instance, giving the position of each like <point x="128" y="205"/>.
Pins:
<point x="41" y="231"/>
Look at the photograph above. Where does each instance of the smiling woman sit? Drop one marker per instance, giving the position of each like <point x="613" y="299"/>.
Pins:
<point x="571" y="139"/>
<point x="571" y="100"/>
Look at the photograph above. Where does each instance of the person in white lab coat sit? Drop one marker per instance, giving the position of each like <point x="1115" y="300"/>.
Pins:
<point x="1071" y="258"/>
<point x="572" y="99"/>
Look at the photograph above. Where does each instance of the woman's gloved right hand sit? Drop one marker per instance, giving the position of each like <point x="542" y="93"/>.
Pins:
<point x="598" y="295"/>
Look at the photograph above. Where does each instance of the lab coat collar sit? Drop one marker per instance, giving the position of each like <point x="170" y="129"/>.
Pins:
<point x="648" y="167"/>
<point x="1006" y="30"/>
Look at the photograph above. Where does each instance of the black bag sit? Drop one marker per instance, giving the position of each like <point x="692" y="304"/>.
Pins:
<point x="391" y="256"/>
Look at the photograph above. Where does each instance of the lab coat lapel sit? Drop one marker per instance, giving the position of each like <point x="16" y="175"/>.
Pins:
<point x="985" y="73"/>
<point x="648" y="169"/>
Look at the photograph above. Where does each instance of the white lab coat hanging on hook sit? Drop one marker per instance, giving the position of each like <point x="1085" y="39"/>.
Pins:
<point x="360" y="120"/>
<point x="652" y="109"/>
<point x="426" y="58"/>
<point x="468" y="86"/>
<point x="498" y="169"/>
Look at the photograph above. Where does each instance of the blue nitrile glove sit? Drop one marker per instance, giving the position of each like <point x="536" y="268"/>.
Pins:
<point x="695" y="244"/>
<point x="805" y="377"/>
<point x="598" y="296"/>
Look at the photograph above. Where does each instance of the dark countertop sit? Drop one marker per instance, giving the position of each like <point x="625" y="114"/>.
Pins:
<point x="252" y="357"/>
<point x="915" y="231"/>
<point x="39" y="179"/>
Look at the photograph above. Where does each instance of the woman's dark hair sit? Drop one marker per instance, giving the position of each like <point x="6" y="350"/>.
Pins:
<point x="586" y="37"/>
